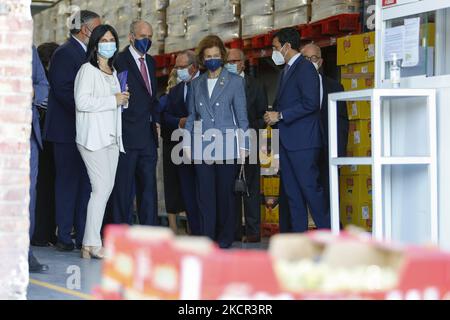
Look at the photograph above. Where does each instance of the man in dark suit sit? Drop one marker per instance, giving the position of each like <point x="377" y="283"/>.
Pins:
<point x="256" y="107"/>
<point x="140" y="127"/>
<point x="72" y="187"/>
<point x="174" y="118"/>
<point x="299" y="122"/>
<point x="313" y="53"/>
<point x="40" y="94"/>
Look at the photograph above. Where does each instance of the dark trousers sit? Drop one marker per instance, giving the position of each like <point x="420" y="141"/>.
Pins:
<point x="186" y="174"/>
<point x="72" y="192"/>
<point x="251" y="203"/>
<point x="300" y="176"/>
<point x="217" y="201"/>
<point x="34" y="167"/>
<point x="136" y="167"/>
<point x="44" y="231"/>
<point x="285" y="213"/>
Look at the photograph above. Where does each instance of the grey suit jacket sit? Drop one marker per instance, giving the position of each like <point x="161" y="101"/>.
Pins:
<point x="219" y="116"/>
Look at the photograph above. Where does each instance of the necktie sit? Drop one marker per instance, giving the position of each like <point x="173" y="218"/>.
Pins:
<point x="144" y="74"/>
<point x="285" y="72"/>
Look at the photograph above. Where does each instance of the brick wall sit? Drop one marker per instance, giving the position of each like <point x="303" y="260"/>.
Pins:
<point x="16" y="30"/>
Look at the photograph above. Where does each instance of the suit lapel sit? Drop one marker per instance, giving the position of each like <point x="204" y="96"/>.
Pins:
<point x="150" y="68"/>
<point x="290" y="73"/>
<point x="222" y="82"/>
<point x="78" y="48"/>
<point x="134" y="68"/>
<point x="205" y="92"/>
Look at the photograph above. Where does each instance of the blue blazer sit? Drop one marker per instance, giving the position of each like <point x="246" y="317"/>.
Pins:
<point x="298" y="98"/>
<point x="142" y="107"/>
<point x="41" y="87"/>
<point x="60" y="119"/>
<point x="226" y="110"/>
<point x="175" y="110"/>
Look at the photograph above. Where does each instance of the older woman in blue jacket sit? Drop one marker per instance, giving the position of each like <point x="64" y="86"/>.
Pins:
<point x="217" y="119"/>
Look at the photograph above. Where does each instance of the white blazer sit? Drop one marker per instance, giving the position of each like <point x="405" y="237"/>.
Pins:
<point x="98" y="118"/>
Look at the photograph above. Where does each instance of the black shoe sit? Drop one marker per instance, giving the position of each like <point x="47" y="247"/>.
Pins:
<point x="78" y="246"/>
<point x="35" y="267"/>
<point x="39" y="243"/>
<point x="65" y="247"/>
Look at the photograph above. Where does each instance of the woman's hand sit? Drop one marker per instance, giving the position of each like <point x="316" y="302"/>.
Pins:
<point x="122" y="98"/>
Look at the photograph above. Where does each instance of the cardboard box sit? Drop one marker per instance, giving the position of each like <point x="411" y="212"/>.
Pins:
<point x="355" y="189"/>
<point x="356" y="49"/>
<point x="359" y="134"/>
<point x="271" y="210"/>
<point x="355" y="170"/>
<point x="363" y="70"/>
<point x="358" y="83"/>
<point x="359" y="110"/>
<point x="357" y="214"/>
<point x="359" y="151"/>
<point x="271" y="186"/>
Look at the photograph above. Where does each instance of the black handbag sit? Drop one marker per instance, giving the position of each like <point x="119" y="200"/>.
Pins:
<point x="240" y="185"/>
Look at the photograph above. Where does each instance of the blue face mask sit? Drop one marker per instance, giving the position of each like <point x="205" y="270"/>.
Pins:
<point x="107" y="49"/>
<point x="213" y="64"/>
<point x="143" y="45"/>
<point x="184" y="74"/>
<point x="232" y="67"/>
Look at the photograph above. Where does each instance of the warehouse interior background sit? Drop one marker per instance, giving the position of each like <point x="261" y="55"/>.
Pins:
<point x="395" y="180"/>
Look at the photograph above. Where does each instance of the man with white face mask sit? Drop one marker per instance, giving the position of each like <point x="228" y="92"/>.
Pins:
<point x="180" y="178"/>
<point x="298" y="119"/>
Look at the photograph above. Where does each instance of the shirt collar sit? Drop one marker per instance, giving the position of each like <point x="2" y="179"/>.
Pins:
<point x="81" y="43"/>
<point x="242" y="74"/>
<point x="136" y="55"/>
<point x="293" y="59"/>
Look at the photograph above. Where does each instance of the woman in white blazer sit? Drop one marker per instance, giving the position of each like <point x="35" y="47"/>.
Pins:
<point x="99" y="102"/>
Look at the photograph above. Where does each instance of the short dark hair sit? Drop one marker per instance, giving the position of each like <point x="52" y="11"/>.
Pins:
<point x="208" y="42"/>
<point x="288" y="35"/>
<point x="92" y="50"/>
<point x="81" y="18"/>
<point x="45" y="51"/>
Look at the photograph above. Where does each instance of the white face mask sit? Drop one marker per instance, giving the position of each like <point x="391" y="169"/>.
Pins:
<point x="184" y="74"/>
<point x="278" y="57"/>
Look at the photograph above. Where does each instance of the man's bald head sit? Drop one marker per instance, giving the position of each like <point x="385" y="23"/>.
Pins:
<point x="313" y="53"/>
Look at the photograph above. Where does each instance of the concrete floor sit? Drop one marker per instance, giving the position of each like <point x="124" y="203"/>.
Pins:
<point x="68" y="270"/>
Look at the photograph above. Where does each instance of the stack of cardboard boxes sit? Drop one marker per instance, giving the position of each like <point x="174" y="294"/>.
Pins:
<point x="356" y="56"/>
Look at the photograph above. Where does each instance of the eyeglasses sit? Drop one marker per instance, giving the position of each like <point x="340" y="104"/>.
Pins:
<point x="313" y="58"/>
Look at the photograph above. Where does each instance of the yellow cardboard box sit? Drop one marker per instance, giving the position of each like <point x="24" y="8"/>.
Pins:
<point x="356" y="49"/>
<point x="359" y="133"/>
<point x="356" y="170"/>
<point x="357" y="214"/>
<point x="360" y="83"/>
<point x="357" y="110"/>
<point x="355" y="189"/>
<point x="270" y="210"/>
<point x="359" y="151"/>
<point x="271" y="186"/>
<point x="366" y="69"/>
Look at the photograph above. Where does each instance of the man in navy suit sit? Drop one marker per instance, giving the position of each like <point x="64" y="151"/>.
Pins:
<point x="299" y="122"/>
<point x="40" y="94"/>
<point x="175" y="118"/>
<point x="72" y="187"/>
<point x="140" y="129"/>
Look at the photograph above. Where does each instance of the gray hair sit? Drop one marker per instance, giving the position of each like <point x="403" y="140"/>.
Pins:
<point x="135" y="23"/>
<point x="192" y="57"/>
<point x="241" y="53"/>
<point x="80" y="19"/>
<point x="315" y="47"/>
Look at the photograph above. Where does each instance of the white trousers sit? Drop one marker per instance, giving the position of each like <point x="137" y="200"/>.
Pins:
<point x="101" y="166"/>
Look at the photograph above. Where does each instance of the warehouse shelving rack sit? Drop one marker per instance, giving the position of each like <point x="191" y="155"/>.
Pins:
<point x="381" y="159"/>
<point x="323" y="33"/>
